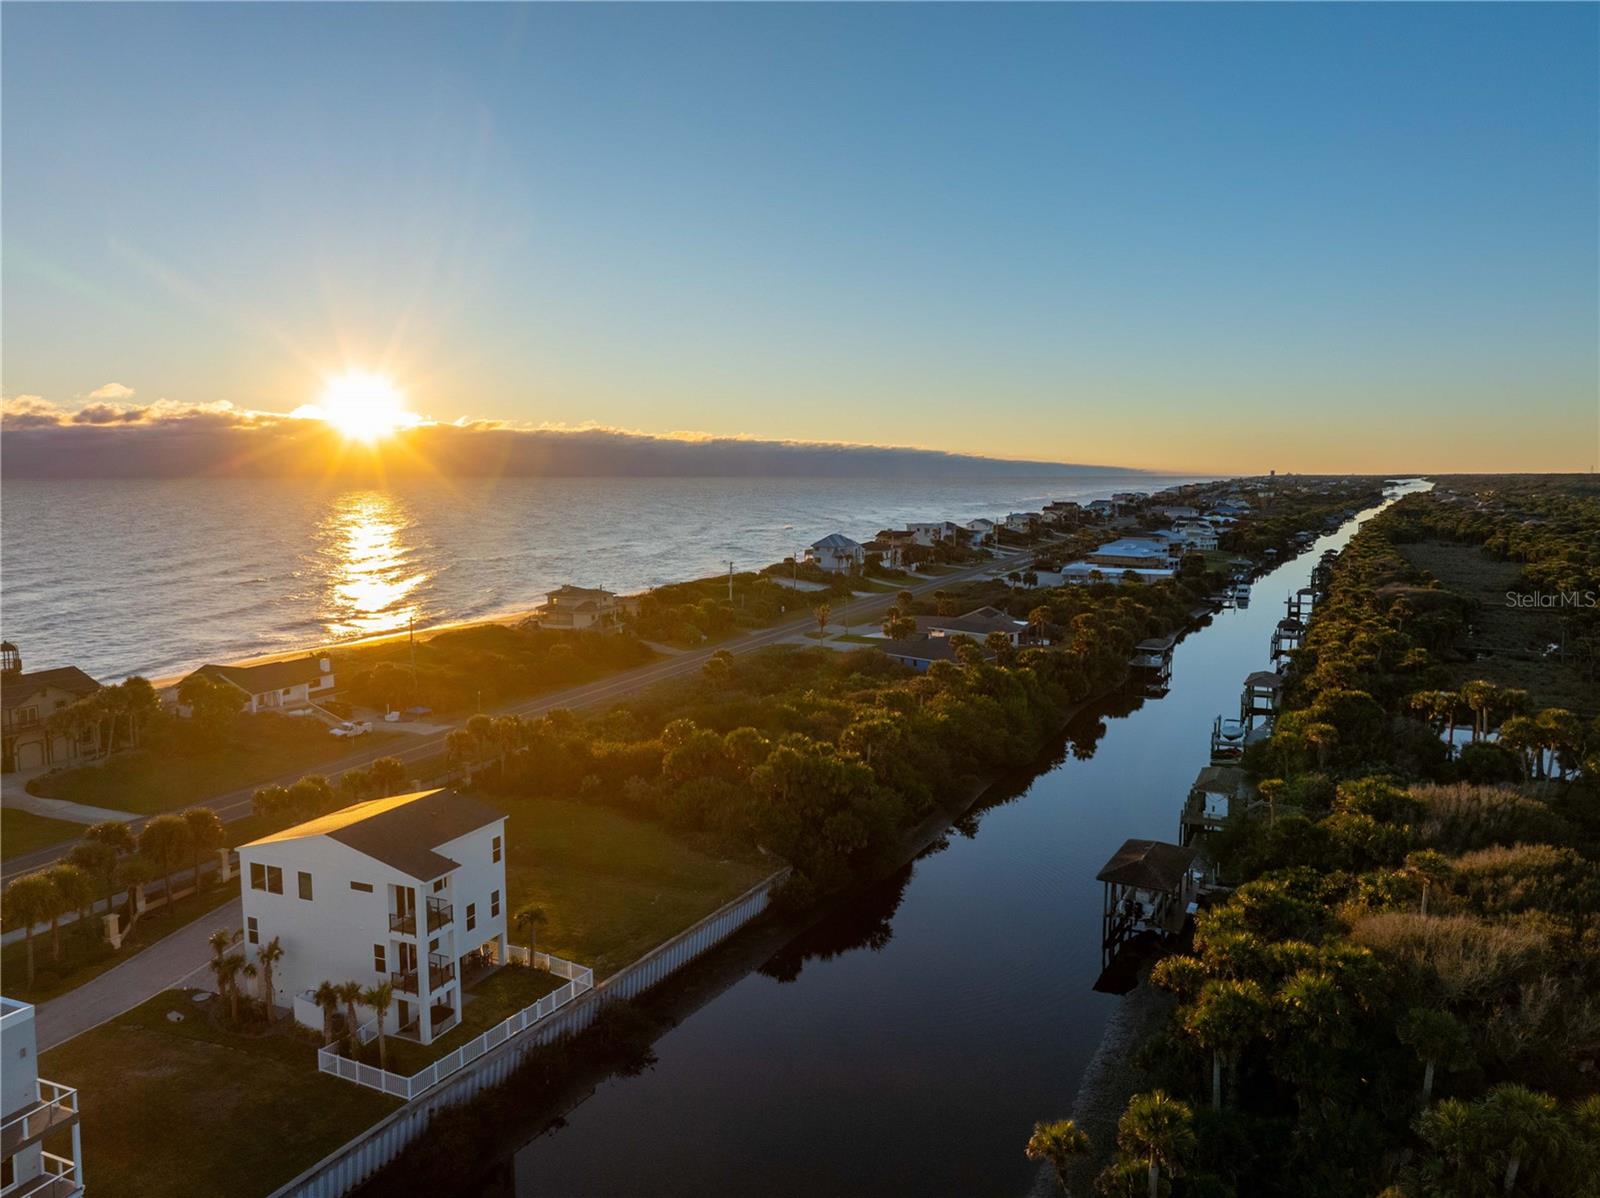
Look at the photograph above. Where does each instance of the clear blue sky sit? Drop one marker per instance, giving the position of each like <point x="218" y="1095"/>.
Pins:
<point x="1197" y="237"/>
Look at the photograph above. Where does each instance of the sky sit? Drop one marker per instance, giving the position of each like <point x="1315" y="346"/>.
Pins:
<point x="1207" y="238"/>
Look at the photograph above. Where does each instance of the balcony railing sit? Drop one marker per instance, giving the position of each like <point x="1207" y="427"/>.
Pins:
<point x="441" y="971"/>
<point x="404" y="922"/>
<point x="60" y="1179"/>
<point x="56" y="1106"/>
<point x="439" y="914"/>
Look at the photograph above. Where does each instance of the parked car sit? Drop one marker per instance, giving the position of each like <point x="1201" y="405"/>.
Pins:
<point x="351" y="728"/>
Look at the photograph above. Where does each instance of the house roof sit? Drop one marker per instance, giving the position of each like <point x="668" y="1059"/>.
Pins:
<point x="925" y="648"/>
<point x="1148" y="865"/>
<point x="836" y="541"/>
<point x="268" y="676"/>
<point x="401" y="831"/>
<point x="1264" y="678"/>
<point x="973" y="622"/>
<point x="22" y="687"/>
<point x="569" y="593"/>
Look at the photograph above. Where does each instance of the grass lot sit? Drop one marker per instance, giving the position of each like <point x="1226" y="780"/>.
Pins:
<point x="23" y="832"/>
<point x="1509" y="640"/>
<point x="85" y="953"/>
<point x="611" y="887"/>
<point x="146" y="782"/>
<point x="174" y="1109"/>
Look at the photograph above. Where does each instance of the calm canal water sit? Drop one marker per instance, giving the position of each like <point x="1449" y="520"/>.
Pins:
<point x="907" y="1044"/>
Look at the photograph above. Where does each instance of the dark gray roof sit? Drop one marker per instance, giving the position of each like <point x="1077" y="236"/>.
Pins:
<point x="268" y="676"/>
<point x="402" y="830"/>
<point x="975" y="625"/>
<point x="1149" y="865"/>
<point x="21" y="687"/>
<point x="925" y="648"/>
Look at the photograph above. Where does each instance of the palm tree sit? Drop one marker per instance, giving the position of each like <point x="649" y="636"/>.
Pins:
<point x="350" y="995"/>
<point x="1522" y="1123"/>
<point x="99" y="861"/>
<point x="163" y="840"/>
<point x="326" y="996"/>
<point x="1324" y="738"/>
<point x="269" y="954"/>
<point x="1479" y="696"/>
<point x="32" y="899"/>
<point x="77" y="893"/>
<point x="249" y="971"/>
<point x="227" y="970"/>
<point x="460" y="747"/>
<point x="823" y="613"/>
<point x="379" y="998"/>
<point x="132" y="873"/>
<point x="1039" y="620"/>
<point x="1430" y="868"/>
<point x="1160" y="1129"/>
<point x="1059" y="1143"/>
<point x="1438" y="1038"/>
<point x="1227" y="1017"/>
<point x="532" y="920"/>
<point x="388" y="775"/>
<point x="205" y="836"/>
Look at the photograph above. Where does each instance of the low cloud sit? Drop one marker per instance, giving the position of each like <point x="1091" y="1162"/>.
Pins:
<point x="112" y="391"/>
<point x="174" y="440"/>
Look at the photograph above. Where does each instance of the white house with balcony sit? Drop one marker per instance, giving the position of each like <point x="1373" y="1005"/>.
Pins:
<point x="837" y="552"/>
<point x="409" y="889"/>
<point x="32" y="1112"/>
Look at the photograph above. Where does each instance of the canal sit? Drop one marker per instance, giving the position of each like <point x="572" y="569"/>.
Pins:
<point x="909" y="1041"/>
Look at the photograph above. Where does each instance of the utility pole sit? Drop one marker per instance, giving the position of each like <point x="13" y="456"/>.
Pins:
<point x="730" y="582"/>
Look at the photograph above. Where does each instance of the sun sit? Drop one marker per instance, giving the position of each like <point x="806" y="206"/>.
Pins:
<point x="364" y="407"/>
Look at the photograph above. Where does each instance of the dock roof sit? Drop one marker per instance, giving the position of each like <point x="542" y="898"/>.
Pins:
<point x="1149" y="865"/>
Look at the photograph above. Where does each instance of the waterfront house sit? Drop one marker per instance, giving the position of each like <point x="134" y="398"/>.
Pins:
<point x="277" y="685"/>
<point x="888" y="554"/>
<point x="981" y="530"/>
<point x="576" y="608"/>
<point x="29" y="700"/>
<point x="836" y="552"/>
<point x="34" y="1111"/>
<point x="1102" y="508"/>
<point x="1137" y="553"/>
<point x="932" y="532"/>
<point x="1023" y="522"/>
<point x="409" y="889"/>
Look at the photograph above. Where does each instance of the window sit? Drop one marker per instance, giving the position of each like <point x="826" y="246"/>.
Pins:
<point x="494" y="904"/>
<point x="497" y="848"/>
<point x="8" y="1171"/>
<point x="258" y="876"/>
<point x="472" y="916"/>
<point x="253" y="935"/>
<point x="378" y="959"/>
<point x="438" y="884"/>
<point x="433" y="945"/>
<point x="274" y="880"/>
<point x="305" y="885"/>
<point x="363" y="887"/>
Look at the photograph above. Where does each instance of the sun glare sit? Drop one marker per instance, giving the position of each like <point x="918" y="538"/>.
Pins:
<point x="364" y="407"/>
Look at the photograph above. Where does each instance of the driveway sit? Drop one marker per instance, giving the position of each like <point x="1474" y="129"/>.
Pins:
<point x="161" y="966"/>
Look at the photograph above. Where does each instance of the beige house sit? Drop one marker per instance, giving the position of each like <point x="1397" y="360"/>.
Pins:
<point x="29" y="700"/>
<point x="577" y="608"/>
<point x="277" y="685"/>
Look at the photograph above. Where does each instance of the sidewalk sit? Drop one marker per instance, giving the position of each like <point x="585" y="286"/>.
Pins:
<point x="163" y="965"/>
<point x="73" y="813"/>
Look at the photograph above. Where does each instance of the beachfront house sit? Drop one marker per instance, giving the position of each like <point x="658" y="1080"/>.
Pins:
<point x="28" y="702"/>
<point x="277" y="685"/>
<point x="33" y="1110"/>
<point x="576" y="608"/>
<point x="836" y="552"/>
<point x="981" y="531"/>
<point x="932" y="532"/>
<point x="409" y="889"/>
<point x="1104" y="509"/>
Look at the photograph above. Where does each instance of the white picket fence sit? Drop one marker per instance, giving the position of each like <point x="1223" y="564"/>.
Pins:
<point x="580" y="981"/>
<point x="352" y="1163"/>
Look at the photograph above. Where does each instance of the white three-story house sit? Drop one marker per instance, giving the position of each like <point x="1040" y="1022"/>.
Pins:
<point x="32" y="1111"/>
<point x="401" y="889"/>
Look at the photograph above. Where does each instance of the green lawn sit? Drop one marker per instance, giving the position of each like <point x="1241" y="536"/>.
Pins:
<point x="85" y="956"/>
<point x="23" y="832"/>
<point x="175" y="1109"/>
<point x="149" y="781"/>
<point x="612" y="887"/>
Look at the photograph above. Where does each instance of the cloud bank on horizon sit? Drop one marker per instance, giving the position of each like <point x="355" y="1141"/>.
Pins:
<point x="111" y="436"/>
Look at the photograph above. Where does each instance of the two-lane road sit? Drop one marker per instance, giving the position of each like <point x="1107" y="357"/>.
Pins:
<point x="235" y="804"/>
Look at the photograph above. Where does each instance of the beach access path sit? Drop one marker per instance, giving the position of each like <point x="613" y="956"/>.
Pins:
<point x="235" y="804"/>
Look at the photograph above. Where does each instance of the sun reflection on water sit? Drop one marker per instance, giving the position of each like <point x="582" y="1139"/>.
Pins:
<point x="372" y="579"/>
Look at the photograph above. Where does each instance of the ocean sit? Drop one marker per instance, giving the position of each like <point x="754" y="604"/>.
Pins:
<point x="153" y="577"/>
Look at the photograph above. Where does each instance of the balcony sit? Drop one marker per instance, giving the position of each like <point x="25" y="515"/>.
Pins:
<point x="441" y="971"/>
<point x="403" y="922"/>
<point x="440" y="913"/>
<point x="60" y="1179"/>
<point x="55" y="1106"/>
